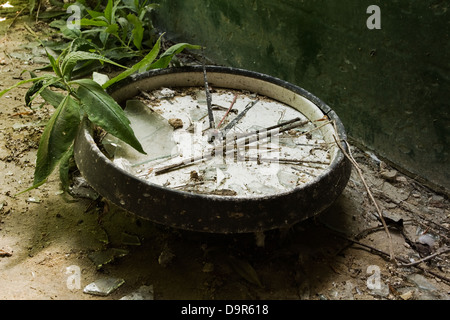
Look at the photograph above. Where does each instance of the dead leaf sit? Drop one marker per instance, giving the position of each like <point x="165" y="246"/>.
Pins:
<point x="245" y="270"/>
<point x="5" y="253"/>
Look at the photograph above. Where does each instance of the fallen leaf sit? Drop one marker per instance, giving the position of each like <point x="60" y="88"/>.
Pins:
<point x="245" y="270"/>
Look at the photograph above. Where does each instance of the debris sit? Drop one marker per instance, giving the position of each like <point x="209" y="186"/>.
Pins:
<point x="233" y="122"/>
<point x="100" y="78"/>
<point x="166" y="257"/>
<point x="347" y="294"/>
<point x="373" y="157"/>
<point x="427" y="239"/>
<point x="436" y="201"/>
<point x="401" y="179"/>
<point x="176" y="123"/>
<point x="245" y="270"/>
<point x="389" y="175"/>
<point x="143" y="293"/>
<point x="165" y="93"/>
<point x="407" y="295"/>
<point x="102" y="258"/>
<point x="224" y="192"/>
<point x="257" y="187"/>
<point x="421" y="282"/>
<point x="131" y="240"/>
<point x="6" y="252"/>
<point x="122" y="163"/>
<point x="382" y="290"/>
<point x="228" y="110"/>
<point x="81" y="188"/>
<point x="287" y="179"/>
<point x="33" y="200"/>
<point x="397" y="195"/>
<point x="151" y="129"/>
<point x="194" y="175"/>
<point x="322" y="296"/>
<point x="103" y="287"/>
<point x="208" y="267"/>
<point x="260" y="238"/>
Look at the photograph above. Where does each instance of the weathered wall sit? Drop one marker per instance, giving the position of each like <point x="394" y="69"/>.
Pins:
<point x="390" y="86"/>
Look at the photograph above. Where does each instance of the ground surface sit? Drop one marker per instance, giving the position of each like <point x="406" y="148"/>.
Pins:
<point x="52" y="245"/>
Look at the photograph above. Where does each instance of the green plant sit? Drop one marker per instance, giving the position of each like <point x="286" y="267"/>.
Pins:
<point x="75" y="99"/>
<point x="121" y="29"/>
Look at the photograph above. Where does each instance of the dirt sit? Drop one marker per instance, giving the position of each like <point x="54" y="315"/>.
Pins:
<point x="343" y="253"/>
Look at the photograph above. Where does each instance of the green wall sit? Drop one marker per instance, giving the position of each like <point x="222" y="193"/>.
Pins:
<point x="390" y="86"/>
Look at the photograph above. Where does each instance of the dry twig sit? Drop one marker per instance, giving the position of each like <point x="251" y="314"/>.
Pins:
<point x="228" y="111"/>
<point x="405" y="263"/>
<point x="349" y="156"/>
<point x="437" y="253"/>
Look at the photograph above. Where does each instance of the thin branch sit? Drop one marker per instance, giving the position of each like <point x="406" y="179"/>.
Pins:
<point x="404" y="261"/>
<point x="437" y="253"/>
<point x="228" y="111"/>
<point x="13" y="21"/>
<point x="358" y="169"/>
<point x="208" y="95"/>
<point x="233" y="122"/>
<point x="229" y="146"/>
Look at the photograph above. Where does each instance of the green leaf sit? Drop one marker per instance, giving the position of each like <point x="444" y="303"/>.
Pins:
<point x="58" y="136"/>
<point x="143" y="64"/>
<point x="103" y="38"/>
<point x="138" y="30"/>
<point x="32" y="91"/>
<point x="91" y="22"/>
<point x="167" y="56"/>
<point x="34" y="186"/>
<point x="64" y="167"/>
<point x="40" y="88"/>
<point x="104" y="111"/>
<point x="95" y="14"/>
<point x="86" y="68"/>
<point x="113" y="29"/>
<point x="109" y="15"/>
<point x="81" y="44"/>
<point x="59" y="4"/>
<point x="51" y="97"/>
<point x="57" y="23"/>
<point x="31" y="5"/>
<point x="118" y="54"/>
<point x="70" y="61"/>
<point x="70" y="33"/>
<point x="21" y="83"/>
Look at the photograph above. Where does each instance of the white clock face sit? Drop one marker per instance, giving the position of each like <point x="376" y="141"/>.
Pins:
<point x="257" y="146"/>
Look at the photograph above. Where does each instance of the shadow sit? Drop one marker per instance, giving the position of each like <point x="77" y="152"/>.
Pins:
<point x="292" y="264"/>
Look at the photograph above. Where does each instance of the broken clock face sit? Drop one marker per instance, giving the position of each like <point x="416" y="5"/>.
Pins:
<point x="238" y="144"/>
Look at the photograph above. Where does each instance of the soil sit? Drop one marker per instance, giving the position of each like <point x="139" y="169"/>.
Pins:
<point x="341" y="254"/>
